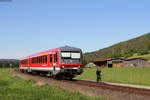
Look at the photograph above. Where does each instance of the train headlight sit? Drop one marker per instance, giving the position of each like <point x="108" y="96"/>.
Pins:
<point x="62" y="67"/>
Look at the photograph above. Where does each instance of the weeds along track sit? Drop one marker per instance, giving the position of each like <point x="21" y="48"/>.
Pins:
<point x="101" y="85"/>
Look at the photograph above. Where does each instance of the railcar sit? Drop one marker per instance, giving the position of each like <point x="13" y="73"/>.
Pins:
<point x="62" y="62"/>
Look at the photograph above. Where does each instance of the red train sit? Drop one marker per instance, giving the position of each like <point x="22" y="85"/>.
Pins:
<point x="63" y="62"/>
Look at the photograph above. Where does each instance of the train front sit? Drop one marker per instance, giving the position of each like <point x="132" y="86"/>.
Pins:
<point x="71" y="61"/>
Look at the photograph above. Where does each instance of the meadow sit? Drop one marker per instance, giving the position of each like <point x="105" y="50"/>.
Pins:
<point x="14" y="88"/>
<point x="127" y="75"/>
<point x="146" y="56"/>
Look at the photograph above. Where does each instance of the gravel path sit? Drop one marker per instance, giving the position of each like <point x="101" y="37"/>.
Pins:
<point x="90" y="91"/>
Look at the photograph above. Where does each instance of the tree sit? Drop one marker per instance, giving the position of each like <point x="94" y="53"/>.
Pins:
<point x="85" y="61"/>
<point x="143" y="51"/>
<point x="149" y="46"/>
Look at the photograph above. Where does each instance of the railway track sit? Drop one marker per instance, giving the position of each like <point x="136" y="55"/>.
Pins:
<point x="101" y="85"/>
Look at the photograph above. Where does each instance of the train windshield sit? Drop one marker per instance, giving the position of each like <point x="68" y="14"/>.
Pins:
<point x="71" y="55"/>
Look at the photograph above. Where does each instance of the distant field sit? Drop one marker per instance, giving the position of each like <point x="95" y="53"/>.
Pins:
<point x="146" y="56"/>
<point x="140" y="76"/>
<point x="14" y="88"/>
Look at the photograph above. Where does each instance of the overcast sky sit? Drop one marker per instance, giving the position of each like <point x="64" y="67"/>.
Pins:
<point x="31" y="26"/>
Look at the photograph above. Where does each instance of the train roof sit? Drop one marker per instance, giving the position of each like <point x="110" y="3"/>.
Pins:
<point x="64" y="48"/>
<point x="44" y="53"/>
<point x="68" y="48"/>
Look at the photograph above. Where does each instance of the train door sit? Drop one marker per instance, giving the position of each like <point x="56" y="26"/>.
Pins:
<point x="55" y="60"/>
<point x="51" y="60"/>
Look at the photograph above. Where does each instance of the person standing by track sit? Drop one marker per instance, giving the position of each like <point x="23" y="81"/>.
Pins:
<point x="98" y="74"/>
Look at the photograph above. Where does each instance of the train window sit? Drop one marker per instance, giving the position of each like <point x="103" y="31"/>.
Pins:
<point x="25" y="61"/>
<point x="45" y="59"/>
<point x="40" y="59"/>
<point x="75" y="55"/>
<point x="55" y="57"/>
<point x="51" y="58"/>
<point x="21" y="61"/>
<point x="36" y="60"/>
<point x="32" y="60"/>
<point x="66" y="54"/>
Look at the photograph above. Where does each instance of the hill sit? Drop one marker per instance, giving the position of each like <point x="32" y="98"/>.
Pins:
<point x="9" y="60"/>
<point x="139" y="46"/>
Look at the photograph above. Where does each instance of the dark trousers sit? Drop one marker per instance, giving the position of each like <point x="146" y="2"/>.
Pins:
<point x="98" y="78"/>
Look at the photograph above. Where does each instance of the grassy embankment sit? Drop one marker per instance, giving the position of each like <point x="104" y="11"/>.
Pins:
<point x="138" y="76"/>
<point x="146" y="56"/>
<point x="14" y="88"/>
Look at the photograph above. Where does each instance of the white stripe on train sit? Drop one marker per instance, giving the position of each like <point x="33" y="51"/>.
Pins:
<point x="41" y="68"/>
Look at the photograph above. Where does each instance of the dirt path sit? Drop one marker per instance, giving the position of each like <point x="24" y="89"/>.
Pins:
<point x="90" y="91"/>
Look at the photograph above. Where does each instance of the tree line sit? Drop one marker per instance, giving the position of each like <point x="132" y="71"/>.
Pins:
<point x="9" y="64"/>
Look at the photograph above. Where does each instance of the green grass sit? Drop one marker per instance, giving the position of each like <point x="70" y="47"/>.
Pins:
<point x="139" y="76"/>
<point x="146" y="56"/>
<point x="14" y="88"/>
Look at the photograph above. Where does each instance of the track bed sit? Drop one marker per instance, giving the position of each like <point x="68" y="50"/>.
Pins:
<point x="111" y="92"/>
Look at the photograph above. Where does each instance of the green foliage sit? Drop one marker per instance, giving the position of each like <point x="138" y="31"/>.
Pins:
<point x="146" y="56"/>
<point x="126" y="75"/>
<point x="143" y="51"/>
<point x="140" y="45"/>
<point x="85" y="61"/>
<point x="14" y="88"/>
<point x="9" y="63"/>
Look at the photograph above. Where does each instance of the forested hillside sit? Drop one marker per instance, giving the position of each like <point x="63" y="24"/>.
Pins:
<point x="139" y="46"/>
